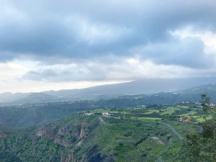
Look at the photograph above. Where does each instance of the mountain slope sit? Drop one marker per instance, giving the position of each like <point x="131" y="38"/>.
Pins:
<point x="102" y="136"/>
<point x="147" y="87"/>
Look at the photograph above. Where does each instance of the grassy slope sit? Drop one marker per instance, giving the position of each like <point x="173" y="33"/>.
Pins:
<point x="123" y="135"/>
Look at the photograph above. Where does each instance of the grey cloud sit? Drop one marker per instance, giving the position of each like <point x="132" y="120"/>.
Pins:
<point x="40" y="30"/>
<point x="187" y="52"/>
<point x="69" y="73"/>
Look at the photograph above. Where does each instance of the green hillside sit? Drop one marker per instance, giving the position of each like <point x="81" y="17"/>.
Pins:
<point x="142" y="134"/>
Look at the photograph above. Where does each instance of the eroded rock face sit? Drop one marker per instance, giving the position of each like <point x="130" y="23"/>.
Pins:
<point x="44" y="132"/>
<point x="82" y="133"/>
<point x="71" y="135"/>
<point x="3" y="135"/>
<point x="69" y="158"/>
<point x="61" y="142"/>
<point x="67" y="135"/>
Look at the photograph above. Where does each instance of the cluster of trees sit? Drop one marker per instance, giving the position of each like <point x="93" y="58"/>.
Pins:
<point x="201" y="146"/>
<point x="19" y="148"/>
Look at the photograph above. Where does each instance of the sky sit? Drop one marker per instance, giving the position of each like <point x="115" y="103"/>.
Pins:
<point x="67" y="44"/>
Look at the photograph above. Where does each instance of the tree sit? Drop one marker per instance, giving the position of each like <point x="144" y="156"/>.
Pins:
<point x="201" y="146"/>
<point x="205" y="103"/>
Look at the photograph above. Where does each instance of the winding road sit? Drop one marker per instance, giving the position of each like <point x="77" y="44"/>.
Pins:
<point x="180" y="137"/>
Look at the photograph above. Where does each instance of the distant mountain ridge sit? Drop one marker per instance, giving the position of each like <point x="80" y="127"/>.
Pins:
<point x="146" y="87"/>
<point x="44" y="108"/>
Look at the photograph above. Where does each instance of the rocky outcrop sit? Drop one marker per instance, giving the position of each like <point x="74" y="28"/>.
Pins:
<point x="3" y="135"/>
<point x="45" y="132"/>
<point x="68" y="158"/>
<point x="82" y="133"/>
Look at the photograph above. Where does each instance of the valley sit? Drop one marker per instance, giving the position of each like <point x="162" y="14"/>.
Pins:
<point x="107" y="81"/>
<point x="138" y="134"/>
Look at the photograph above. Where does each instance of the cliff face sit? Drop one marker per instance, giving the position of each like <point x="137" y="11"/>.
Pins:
<point x="72" y="136"/>
<point x="68" y="158"/>
<point x="3" y="135"/>
<point x="45" y="132"/>
<point x="65" y="135"/>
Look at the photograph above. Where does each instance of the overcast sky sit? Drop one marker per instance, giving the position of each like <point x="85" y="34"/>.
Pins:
<point x="52" y="44"/>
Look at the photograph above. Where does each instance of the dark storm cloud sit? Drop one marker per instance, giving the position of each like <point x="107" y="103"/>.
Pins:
<point x="187" y="52"/>
<point x="86" y="29"/>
